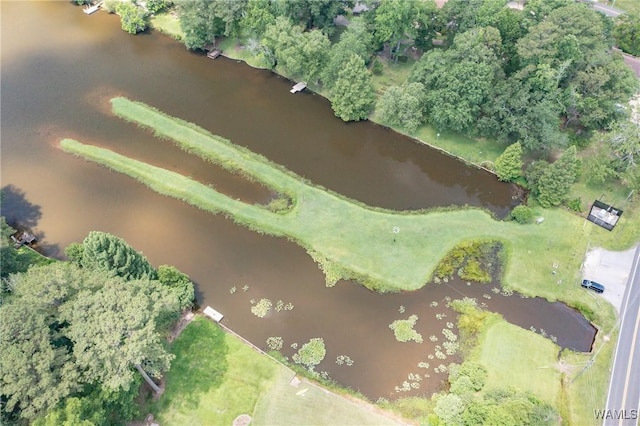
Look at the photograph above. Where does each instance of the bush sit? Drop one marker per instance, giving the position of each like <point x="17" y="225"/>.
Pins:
<point x="522" y="214"/>
<point x="376" y="67"/>
<point x="575" y="205"/>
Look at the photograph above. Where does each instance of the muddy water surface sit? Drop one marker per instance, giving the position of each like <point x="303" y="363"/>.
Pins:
<point x="59" y="67"/>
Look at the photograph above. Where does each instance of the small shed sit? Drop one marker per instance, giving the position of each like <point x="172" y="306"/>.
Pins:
<point x="213" y="314"/>
<point x="604" y="215"/>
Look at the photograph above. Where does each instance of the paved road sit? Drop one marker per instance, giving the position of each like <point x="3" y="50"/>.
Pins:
<point x="607" y="10"/>
<point x="623" y="400"/>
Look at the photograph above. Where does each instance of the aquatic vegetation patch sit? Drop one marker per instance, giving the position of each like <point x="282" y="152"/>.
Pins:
<point x="470" y="260"/>
<point x="311" y="353"/>
<point x="262" y="308"/>
<point x="403" y="330"/>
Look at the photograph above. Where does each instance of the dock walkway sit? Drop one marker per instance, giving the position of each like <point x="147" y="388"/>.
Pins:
<point x="298" y="87"/>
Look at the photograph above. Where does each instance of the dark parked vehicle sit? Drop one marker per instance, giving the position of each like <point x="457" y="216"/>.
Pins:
<point x="597" y="287"/>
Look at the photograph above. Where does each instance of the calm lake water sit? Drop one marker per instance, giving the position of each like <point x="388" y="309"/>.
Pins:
<point x="58" y="68"/>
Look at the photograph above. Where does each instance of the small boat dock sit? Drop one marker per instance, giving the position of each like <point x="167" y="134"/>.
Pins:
<point x="214" y="53"/>
<point x="298" y="87"/>
<point x="92" y="9"/>
<point x="213" y="314"/>
<point x="24" y="238"/>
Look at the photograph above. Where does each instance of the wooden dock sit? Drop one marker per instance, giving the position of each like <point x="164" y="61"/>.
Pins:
<point x="213" y="314"/>
<point x="214" y="53"/>
<point x="92" y="9"/>
<point x="298" y="87"/>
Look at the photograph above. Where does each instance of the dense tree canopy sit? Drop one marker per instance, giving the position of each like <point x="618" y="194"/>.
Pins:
<point x="460" y="80"/>
<point x="79" y="329"/>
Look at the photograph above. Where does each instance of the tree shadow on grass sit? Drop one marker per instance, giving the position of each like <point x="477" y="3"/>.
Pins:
<point x="200" y="365"/>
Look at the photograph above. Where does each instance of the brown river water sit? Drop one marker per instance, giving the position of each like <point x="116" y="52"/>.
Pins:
<point x="59" y="66"/>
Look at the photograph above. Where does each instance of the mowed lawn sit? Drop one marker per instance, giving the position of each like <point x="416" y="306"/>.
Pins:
<point x="521" y="359"/>
<point x="215" y="378"/>
<point x="308" y="404"/>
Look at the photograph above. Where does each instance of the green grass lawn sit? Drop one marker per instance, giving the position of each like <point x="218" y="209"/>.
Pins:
<point x="167" y="23"/>
<point x="284" y="404"/>
<point x="215" y="377"/>
<point x="587" y="387"/>
<point x="392" y="74"/>
<point x="351" y="240"/>
<point x="519" y="358"/>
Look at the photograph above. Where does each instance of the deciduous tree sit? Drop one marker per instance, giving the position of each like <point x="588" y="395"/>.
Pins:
<point x="627" y="32"/>
<point x="132" y="18"/>
<point x="403" y="106"/>
<point x="113" y="331"/>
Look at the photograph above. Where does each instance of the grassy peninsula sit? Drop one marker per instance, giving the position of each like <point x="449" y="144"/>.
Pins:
<point x="382" y="249"/>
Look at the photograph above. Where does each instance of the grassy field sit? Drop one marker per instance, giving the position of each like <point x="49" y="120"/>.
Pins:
<point x="167" y="23"/>
<point x="521" y="359"/>
<point x="382" y="249"/>
<point x="215" y="378"/>
<point x="588" y="383"/>
<point x="308" y="404"/>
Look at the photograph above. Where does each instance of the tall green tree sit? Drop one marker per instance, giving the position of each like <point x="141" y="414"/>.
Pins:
<point x="403" y="106"/>
<point x="555" y="181"/>
<point x="199" y="22"/>
<point x="317" y="14"/>
<point x="627" y="32"/>
<point x="281" y="40"/>
<point x="105" y="251"/>
<point x="356" y="39"/>
<point x="132" y="18"/>
<point x="257" y="15"/>
<point x="109" y="354"/>
<point x="35" y="374"/>
<point x="460" y="80"/>
<point x="509" y="163"/>
<point x="352" y="94"/>
<point x="394" y="21"/>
